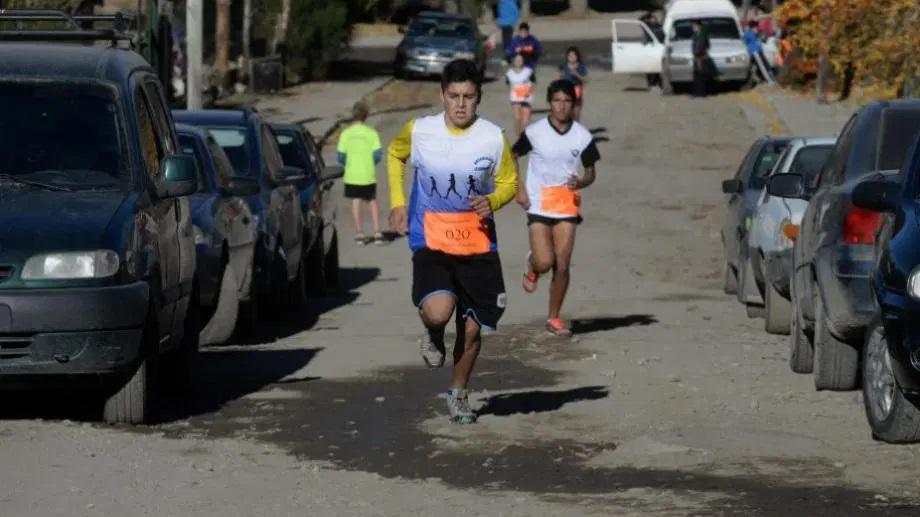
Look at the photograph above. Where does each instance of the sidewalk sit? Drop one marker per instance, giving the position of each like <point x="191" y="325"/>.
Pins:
<point x="803" y="116"/>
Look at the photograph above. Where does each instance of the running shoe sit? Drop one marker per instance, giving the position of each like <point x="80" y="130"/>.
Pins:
<point x="458" y="405"/>
<point x="432" y="353"/>
<point x="360" y="239"/>
<point x="379" y="239"/>
<point x="557" y="327"/>
<point x="529" y="282"/>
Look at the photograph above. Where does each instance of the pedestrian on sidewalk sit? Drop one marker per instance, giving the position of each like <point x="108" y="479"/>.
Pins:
<point x="575" y="72"/>
<point x="755" y="49"/>
<point x="359" y="151"/>
<point x="550" y="194"/>
<point x="455" y="263"/>
<point x="520" y="81"/>
<point x="508" y="16"/>
<point x="703" y="66"/>
<point x="526" y="45"/>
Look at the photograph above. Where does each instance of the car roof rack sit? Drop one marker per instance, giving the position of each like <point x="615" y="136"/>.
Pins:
<point x="75" y="27"/>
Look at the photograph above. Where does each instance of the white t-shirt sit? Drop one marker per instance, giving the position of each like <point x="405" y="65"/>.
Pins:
<point x="554" y="159"/>
<point x="521" y="84"/>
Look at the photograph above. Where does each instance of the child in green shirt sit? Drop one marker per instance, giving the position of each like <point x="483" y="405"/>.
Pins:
<point x="359" y="151"/>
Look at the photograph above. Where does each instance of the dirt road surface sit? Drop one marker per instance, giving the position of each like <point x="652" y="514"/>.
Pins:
<point x="668" y="401"/>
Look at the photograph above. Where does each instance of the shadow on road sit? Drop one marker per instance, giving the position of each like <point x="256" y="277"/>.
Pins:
<point x="538" y="401"/>
<point x="587" y="326"/>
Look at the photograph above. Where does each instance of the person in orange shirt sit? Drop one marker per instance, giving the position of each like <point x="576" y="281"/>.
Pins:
<point x="520" y="81"/>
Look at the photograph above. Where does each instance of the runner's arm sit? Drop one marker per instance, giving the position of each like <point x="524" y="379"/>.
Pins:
<point x="397" y="155"/>
<point x="505" y="178"/>
<point x="589" y="157"/>
<point x="521" y="148"/>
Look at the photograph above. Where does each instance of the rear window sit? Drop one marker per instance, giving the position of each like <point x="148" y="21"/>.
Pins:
<point x="66" y="134"/>
<point x="899" y="132"/>
<point x="809" y="161"/>
<point x="764" y="163"/>
<point x="716" y="28"/>
<point x="234" y="143"/>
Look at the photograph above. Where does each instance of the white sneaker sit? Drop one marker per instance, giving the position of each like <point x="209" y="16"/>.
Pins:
<point x="432" y="354"/>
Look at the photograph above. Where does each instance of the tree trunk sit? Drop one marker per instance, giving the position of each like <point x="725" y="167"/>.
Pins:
<point x="282" y="25"/>
<point x="745" y="9"/>
<point x="247" y="41"/>
<point x="578" y="8"/>
<point x="222" y="43"/>
<point x="823" y="63"/>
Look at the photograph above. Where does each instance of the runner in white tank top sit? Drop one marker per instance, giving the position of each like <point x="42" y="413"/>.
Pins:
<point x="557" y="146"/>
<point x="520" y="81"/>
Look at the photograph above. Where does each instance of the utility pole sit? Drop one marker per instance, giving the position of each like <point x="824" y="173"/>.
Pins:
<point x="247" y="42"/>
<point x="223" y="40"/>
<point x="194" y="27"/>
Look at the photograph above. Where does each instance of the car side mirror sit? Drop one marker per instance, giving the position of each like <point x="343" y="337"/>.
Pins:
<point x="177" y="177"/>
<point x="876" y="195"/>
<point x="791" y="186"/>
<point x="332" y="172"/>
<point x="240" y="187"/>
<point x="288" y="175"/>
<point x="732" y="186"/>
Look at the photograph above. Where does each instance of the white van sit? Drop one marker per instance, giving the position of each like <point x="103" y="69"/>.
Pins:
<point x="636" y="50"/>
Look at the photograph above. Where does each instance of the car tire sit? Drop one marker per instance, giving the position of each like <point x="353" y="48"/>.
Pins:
<point x="892" y="416"/>
<point x="248" y="318"/>
<point x="181" y="363"/>
<point x="801" y="352"/>
<point x="133" y="402"/>
<point x="836" y="362"/>
<point x="273" y="302"/>
<point x="222" y="323"/>
<point x="778" y="311"/>
<point x="316" y="268"/>
<point x="298" y="288"/>
<point x="729" y="278"/>
<point x="331" y="261"/>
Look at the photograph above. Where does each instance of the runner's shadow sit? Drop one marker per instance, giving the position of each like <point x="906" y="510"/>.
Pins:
<point x="587" y="326"/>
<point x="598" y="130"/>
<point x="538" y="401"/>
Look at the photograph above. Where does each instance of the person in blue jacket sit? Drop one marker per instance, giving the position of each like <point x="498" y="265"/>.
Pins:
<point x="508" y="15"/>
<point x="525" y="44"/>
<point x="755" y="49"/>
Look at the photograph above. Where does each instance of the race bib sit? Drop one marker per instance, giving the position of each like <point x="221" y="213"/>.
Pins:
<point x="560" y="201"/>
<point x="457" y="233"/>
<point x="521" y="92"/>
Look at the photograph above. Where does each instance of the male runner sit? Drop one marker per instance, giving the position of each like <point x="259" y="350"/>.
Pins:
<point x="455" y="260"/>
<point x="557" y="143"/>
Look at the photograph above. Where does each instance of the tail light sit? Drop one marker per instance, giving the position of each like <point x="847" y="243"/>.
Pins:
<point x="860" y="225"/>
<point x="790" y="231"/>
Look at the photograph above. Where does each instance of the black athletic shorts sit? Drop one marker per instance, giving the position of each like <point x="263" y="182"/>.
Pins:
<point x="365" y="192"/>
<point x="475" y="281"/>
<point x="552" y="221"/>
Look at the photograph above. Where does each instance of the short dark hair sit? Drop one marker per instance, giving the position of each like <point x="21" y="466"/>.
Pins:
<point x="461" y="71"/>
<point x="524" y="26"/>
<point x="576" y="51"/>
<point x="560" y="85"/>
<point x="359" y="111"/>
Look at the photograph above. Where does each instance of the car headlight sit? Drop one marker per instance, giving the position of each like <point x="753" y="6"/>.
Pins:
<point x="71" y="265"/>
<point x="740" y="58"/>
<point x="464" y="55"/>
<point x="913" y="284"/>
<point x="680" y="60"/>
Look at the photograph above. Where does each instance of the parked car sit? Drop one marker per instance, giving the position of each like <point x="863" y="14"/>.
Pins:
<point x="434" y="39"/>
<point x="321" y="241"/>
<point x="225" y="233"/>
<point x="97" y="260"/>
<point x="833" y="255"/>
<point x="637" y="50"/>
<point x="891" y="355"/>
<point x="743" y="192"/>
<point x="251" y="147"/>
<point x="775" y="227"/>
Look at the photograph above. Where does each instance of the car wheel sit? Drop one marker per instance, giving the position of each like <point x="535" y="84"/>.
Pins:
<point x="801" y="353"/>
<point x="298" y="289"/>
<point x="836" y="362"/>
<point x="220" y="327"/>
<point x="248" y="317"/>
<point x="133" y="402"/>
<point x="272" y="305"/>
<point x="778" y="310"/>
<point x="892" y="416"/>
<point x="729" y="278"/>
<point x="180" y="363"/>
<point x="331" y="261"/>
<point x="316" y="271"/>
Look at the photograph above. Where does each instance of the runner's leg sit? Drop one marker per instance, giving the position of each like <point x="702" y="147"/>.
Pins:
<point x="356" y="216"/>
<point x="435" y="312"/>
<point x="466" y="351"/>
<point x="542" y="254"/>
<point x="563" y="235"/>
<point x="375" y="215"/>
<point x="525" y="119"/>
<point x="516" y="108"/>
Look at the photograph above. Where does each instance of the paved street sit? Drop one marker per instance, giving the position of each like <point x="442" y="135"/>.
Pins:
<point x="668" y="401"/>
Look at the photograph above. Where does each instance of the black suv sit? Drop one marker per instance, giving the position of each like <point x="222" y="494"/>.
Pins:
<point x="97" y="256"/>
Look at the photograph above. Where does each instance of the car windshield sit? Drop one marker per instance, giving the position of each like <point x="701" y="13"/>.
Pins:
<point x="442" y="28"/>
<point x="63" y="134"/>
<point x="716" y="28"/>
<point x="234" y="143"/>
<point x="767" y="158"/>
<point x="810" y="160"/>
<point x="291" y="153"/>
